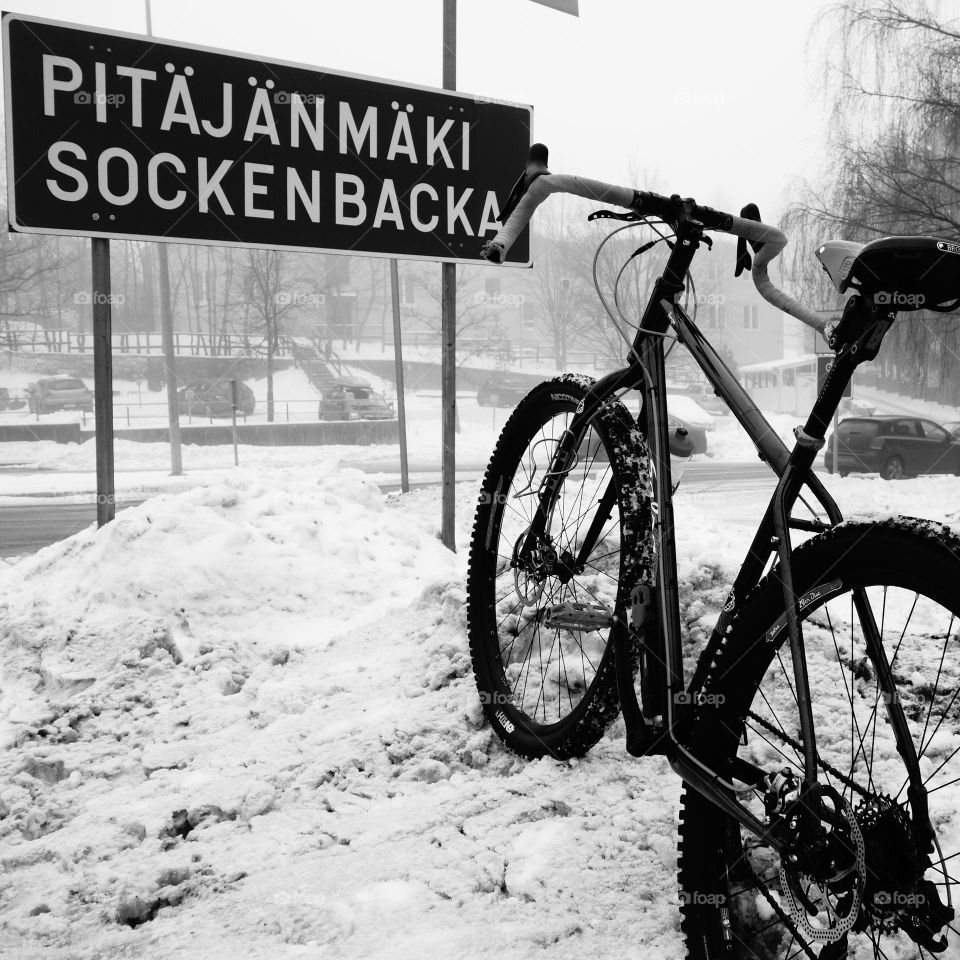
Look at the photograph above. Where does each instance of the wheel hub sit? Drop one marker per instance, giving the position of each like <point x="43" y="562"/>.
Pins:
<point x="532" y="567"/>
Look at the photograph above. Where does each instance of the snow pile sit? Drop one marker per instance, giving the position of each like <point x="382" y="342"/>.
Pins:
<point x="241" y="721"/>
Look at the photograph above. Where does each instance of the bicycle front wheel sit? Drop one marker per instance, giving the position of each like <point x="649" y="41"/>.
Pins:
<point x="875" y="886"/>
<point x="543" y="629"/>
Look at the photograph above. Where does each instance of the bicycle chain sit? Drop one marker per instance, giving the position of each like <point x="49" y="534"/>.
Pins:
<point x="799" y="748"/>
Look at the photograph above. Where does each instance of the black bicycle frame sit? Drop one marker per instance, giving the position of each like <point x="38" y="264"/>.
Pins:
<point x="646" y="371"/>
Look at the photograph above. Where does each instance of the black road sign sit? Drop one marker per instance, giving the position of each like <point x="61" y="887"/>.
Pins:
<point x="117" y="135"/>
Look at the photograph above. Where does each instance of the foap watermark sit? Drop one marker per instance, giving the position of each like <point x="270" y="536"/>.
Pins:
<point x="496" y="698"/>
<point x="111" y="498"/>
<point x="485" y="496"/>
<point x="101" y="99"/>
<point x="299" y="898"/>
<point x="699" y="898"/>
<point x="84" y="297"/>
<point x="898" y="898"/>
<point x="499" y="299"/>
<point x="287" y="299"/>
<point x="307" y="99"/>
<point x="701" y="699"/>
<point x="709" y="299"/>
<point x="894" y="298"/>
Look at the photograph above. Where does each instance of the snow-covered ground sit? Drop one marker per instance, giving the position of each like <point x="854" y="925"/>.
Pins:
<point x="240" y="721"/>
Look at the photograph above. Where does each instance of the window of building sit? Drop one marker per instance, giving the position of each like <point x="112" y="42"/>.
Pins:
<point x="751" y="318"/>
<point x="491" y="286"/>
<point x="529" y="314"/>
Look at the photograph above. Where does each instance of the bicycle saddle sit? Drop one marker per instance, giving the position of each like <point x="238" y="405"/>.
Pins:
<point x="909" y="273"/>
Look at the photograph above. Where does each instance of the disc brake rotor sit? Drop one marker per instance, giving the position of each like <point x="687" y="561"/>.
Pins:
<point x="840" y="920"/>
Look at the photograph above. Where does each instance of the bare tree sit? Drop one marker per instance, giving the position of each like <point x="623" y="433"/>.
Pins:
<point x="479" y="327"/>
<point x="894" y="163"/>
<point x="265" y="288"/>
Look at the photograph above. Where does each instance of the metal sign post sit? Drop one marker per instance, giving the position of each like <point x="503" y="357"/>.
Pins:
<point x="448" y="324"/>
<point x="166" y="338"/>
<point x="169" y="364"/>
<point x="234" y="403"/>
<point x="102" y="377"/>
<point x="398" y="366"/>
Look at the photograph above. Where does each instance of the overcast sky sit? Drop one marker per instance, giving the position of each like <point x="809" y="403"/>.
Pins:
<point x="714" y="100"/>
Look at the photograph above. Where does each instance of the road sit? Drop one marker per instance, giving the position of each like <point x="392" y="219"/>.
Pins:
<point x="25" y="528"/>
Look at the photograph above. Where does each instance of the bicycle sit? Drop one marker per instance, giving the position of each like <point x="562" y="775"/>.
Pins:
<point x="819" y="786"/>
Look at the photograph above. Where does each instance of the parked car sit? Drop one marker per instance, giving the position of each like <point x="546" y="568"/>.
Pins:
<point x="704" y="394"/>
<point x="894" y="447"/>
<point x="10" y="403"/>
<point x="351" y="398"/>
<point x="503" y="390"/>
<point x="59" y="393"/>
<point x="214" y="398"/>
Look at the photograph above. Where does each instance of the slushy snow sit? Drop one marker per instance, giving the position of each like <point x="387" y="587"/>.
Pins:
<point x="240" y="721"/>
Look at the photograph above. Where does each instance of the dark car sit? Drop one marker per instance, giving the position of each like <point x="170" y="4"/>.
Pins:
<point x="503" y="390"/>
<point x="59" y="393"/>
<point x="10" y="403"/>
<point x="214" y="398"/>
<point x="350" y="398"/>
<point x="894" y="447"/>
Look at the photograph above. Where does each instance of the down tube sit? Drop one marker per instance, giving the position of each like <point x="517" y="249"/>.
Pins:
<point x="764" y="437"/>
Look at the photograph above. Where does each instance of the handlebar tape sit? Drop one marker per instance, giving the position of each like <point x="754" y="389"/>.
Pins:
<point x="539" y="190"/>
<point x="767" y="241"/>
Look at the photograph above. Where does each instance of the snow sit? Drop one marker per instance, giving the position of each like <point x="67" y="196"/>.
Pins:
<point x="240" y="720"/>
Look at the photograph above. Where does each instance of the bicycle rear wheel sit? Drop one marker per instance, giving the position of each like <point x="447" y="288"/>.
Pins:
<point x="542" y="632"/>
<point x="737" y="898"/>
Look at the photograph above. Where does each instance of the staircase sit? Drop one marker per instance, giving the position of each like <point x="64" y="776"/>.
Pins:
<point x="321" y="371"/>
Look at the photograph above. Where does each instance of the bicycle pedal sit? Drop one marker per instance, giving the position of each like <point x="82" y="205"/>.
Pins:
<point x="578" y="616"/>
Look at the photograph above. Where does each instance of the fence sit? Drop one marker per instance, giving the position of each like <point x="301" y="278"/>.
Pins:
<point x="142" y="344"/>
<point x="134" y="411"/>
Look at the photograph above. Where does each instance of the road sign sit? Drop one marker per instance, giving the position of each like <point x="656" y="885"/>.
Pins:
<point x="823" y="368"/>
<point x="118" y="135"/>
<point x="564" y="6"/>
